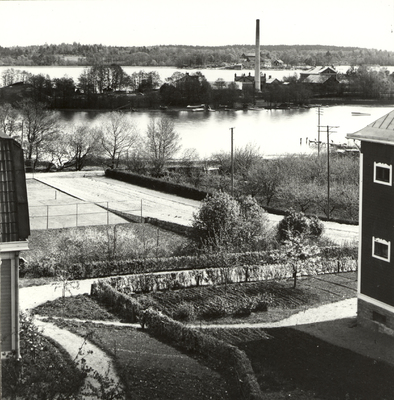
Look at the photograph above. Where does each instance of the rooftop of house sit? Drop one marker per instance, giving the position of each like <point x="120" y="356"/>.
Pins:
<point x="379" y="131"/>
<point x="320" y="70"/>
<point x="14" y="214"/>
<point x="244" y="78"/>
<point x="317" y="78"/>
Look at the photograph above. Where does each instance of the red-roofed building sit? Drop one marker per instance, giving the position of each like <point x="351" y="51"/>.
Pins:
<point x="376" y="257"/>
<point x="14" y="231"/>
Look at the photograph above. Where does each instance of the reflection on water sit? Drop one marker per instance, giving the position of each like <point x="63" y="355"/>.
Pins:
<point x="273" y="132"/>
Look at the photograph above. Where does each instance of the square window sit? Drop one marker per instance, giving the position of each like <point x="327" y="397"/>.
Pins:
<point x="381" y="249"/>
<point x="382" y="173"/>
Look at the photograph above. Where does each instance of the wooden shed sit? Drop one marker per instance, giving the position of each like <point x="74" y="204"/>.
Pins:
<point x="14" y="231"/>
<point x="376" y="257"/>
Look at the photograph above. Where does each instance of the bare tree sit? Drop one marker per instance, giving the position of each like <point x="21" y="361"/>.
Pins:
<point x="72" y="147"/>
<point x="118" y="136"/>
<point x="37" y="126"/>
<point x="8" y="119"/>
<point x="162" y="142"/>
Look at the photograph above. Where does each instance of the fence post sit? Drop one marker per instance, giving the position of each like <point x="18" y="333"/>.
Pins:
<point x="76" y="215"/>
<point x="107" y="214"/>
<point x="47" y="216"/>
<point x="141" y="212"/>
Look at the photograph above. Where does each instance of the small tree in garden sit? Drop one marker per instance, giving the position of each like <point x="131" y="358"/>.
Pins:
<point x="298" y="252"/>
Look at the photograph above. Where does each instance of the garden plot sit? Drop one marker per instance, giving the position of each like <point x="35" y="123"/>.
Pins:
<point x="50" y="208"/>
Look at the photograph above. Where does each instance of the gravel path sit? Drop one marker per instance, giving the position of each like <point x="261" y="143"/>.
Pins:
<point x="78" y="348"/>
<point x="96" y="359"/>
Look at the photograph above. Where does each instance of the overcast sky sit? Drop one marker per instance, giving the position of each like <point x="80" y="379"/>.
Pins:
<point x="368" y="23"/>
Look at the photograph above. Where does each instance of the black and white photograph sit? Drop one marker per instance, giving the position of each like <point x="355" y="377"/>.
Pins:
<point x="196" y="200"/>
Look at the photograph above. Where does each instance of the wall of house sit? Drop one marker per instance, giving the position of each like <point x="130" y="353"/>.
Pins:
<point x="7" y="309"/>
<point x="377" y="276"/>
<point x="374" y="317"/>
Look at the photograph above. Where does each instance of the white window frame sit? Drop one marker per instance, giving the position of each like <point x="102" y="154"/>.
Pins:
<point x="382" y="165"/>
<point x="381" y="241"/>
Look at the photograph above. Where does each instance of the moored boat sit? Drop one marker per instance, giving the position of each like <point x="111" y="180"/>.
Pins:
<point x="194" y="107"/>
<point x="358" y="114"/>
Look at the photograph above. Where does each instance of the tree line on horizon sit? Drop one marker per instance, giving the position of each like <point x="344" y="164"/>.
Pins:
<point x="188" y="56"/>
<point x="110" y="87"/>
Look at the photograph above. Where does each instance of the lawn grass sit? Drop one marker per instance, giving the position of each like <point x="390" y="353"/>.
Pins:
<point x="152" y="369"/>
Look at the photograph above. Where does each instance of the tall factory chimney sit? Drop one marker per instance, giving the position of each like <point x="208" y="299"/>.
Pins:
<point x="257" y="58"/>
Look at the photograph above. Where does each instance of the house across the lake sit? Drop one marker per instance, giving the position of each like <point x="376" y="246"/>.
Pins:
<point x="321" y="80"/>
<point x="376" y="257"/>
<point x="14" y="231"/>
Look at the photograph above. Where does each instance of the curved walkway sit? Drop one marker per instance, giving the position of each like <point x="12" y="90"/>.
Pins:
<point x="76" y="346"/>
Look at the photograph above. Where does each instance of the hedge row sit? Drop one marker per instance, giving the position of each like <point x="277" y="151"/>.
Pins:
<point x="97" y="269"/>
<point x="156" y="184"/>
<point x="125" y="306"/>
<point x="170" y="280"/>
<point x="234" y="360"/>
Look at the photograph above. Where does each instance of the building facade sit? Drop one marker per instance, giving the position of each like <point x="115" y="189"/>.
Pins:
<point x="376" y="257"/>
<point x="14" y="231"/>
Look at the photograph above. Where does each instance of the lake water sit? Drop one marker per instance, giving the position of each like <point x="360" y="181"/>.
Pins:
<point x="274" y="132"/>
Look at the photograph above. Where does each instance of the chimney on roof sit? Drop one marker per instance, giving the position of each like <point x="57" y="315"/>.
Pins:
<point x="257" y="57"/>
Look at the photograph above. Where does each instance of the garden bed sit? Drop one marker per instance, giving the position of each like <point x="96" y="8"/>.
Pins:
<point x="274" y="383"/>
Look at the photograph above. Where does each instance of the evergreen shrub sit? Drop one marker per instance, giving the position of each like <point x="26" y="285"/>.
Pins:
<point x="298" y="224"/>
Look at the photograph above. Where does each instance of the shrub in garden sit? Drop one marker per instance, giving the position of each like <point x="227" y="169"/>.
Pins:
<point x="184" y="312"/>
<point x="224" y="223"/>
<point x="297" y="224"/>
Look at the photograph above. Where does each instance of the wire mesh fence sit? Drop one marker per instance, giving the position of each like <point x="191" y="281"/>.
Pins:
<point x="79" y="213"/>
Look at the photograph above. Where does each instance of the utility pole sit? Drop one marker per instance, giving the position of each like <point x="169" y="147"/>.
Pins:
<point x="232" y="161"/>
<point x="328" y="168"/>
<point x="319" y="113"/>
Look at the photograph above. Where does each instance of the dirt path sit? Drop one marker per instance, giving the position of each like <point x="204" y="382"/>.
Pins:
<point x="75" y="346"/>
<point x="78" y="348"/>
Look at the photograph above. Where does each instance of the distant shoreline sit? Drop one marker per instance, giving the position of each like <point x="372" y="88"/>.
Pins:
<point x="316" y="102"/>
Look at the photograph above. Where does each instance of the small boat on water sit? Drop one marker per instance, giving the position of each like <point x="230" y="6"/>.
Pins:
<point x="194" y="107"/>
<point x="200" y="109"/>
<point x="359" y="114"/>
